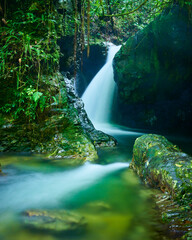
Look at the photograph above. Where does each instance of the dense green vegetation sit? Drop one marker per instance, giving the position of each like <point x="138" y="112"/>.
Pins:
<point x="28" y="52"/>
<point x="39" y="109"/>
<point x="28" y="46"/>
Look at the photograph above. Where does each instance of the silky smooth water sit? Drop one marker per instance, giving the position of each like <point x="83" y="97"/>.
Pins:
<point x="108" y="195"/>
<point x="98" y="97"/>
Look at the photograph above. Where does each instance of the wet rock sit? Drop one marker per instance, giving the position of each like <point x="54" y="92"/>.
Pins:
<point x="99" y="139"/>
<point x="174" y="216"/>
<point x="163" y="165"/>
<point x="54" y="221"/>
<point x="63" y="130"/>
<point x="58" y="132"/>
<point x="153" y="74"/>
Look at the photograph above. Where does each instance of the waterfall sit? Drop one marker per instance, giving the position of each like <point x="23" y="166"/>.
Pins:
<point x="41" y="190"/>
<point x="98" y="97"/>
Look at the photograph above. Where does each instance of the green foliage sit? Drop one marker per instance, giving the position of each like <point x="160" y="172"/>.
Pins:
<point x="184" y="172"/>
<point x="26" y="103"/>
<point x="28" y="51"/>
<point x="28" y="43"/>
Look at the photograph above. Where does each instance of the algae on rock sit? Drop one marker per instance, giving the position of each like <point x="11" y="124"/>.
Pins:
<point x="163" y="165"/>
<point x="54" y="221"/>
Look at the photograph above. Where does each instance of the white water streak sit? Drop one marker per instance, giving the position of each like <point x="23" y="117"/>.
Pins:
<point x="38" y="190"/>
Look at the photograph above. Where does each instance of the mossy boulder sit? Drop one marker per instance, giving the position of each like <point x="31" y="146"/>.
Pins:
<point x="56" y="133"/>
<point x="54" y="221"/>
<point x="163" y="165"/>
<point x="153" y="74"/>
<point x="62" y="130"/>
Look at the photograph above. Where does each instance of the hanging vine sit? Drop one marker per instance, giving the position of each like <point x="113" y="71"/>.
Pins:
<point x="88" y="27"/>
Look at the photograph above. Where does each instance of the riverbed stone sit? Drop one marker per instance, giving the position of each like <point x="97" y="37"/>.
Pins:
<point x="153" y="75"/>
<point x="54" y="221"/>
<point x="163" y="165"/>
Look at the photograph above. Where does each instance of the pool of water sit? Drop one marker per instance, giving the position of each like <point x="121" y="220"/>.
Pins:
<point x="114" y="205"/>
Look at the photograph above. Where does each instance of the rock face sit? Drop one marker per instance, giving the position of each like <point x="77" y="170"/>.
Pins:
<point x="162" y="164"/>
<point x="90" y="66"/>
<point x="153" y="74"/>
<point x="64" y="130"/>
<point x="58" y="133"/>
<point x="98" y="138"/>
<point x="87" y="66"/>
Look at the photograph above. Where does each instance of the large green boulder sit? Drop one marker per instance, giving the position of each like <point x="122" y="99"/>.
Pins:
<point x="164" y="166"/>
<point x="153" y="74"/>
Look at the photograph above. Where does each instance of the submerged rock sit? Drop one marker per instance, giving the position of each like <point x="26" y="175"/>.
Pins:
<point x="54" y="221"/>
<point x="98" y="206"/>
<point x="163" y="165"/>
<point x="153" y="74"/>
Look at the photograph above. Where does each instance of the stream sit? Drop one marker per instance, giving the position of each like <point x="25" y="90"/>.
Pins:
<point x="108" y="196"/>
<point x="44" y="199"/>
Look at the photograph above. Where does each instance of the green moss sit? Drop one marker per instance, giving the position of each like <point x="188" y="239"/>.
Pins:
<point x="163" y="164"/>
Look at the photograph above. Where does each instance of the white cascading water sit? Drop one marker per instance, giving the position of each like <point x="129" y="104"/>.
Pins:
<point x="41" y="190"/>
<point x="99" y="95"/>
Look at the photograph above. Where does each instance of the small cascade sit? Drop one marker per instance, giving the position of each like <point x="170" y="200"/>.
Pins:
<point x="98" y="97"/>
<point x="38" y="190"/>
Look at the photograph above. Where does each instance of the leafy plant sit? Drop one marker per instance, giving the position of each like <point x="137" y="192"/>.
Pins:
<point x="28" y="51"/>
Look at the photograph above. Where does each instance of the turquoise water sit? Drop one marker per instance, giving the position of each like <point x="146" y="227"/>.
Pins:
<point x="110" y="199"/>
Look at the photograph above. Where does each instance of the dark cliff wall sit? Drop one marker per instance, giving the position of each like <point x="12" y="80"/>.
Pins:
<point x="153" y="72"/>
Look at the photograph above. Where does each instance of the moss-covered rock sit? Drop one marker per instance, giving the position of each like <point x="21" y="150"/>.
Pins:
<point x="153" y="73"/>
<point x="163" y="165"/>
<point x="177" y="219"/>
<point x="54" y="221"/>
<point x="62" y="130"/>
<point x="56" y="133"/>
<point x="98" y="138"/>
